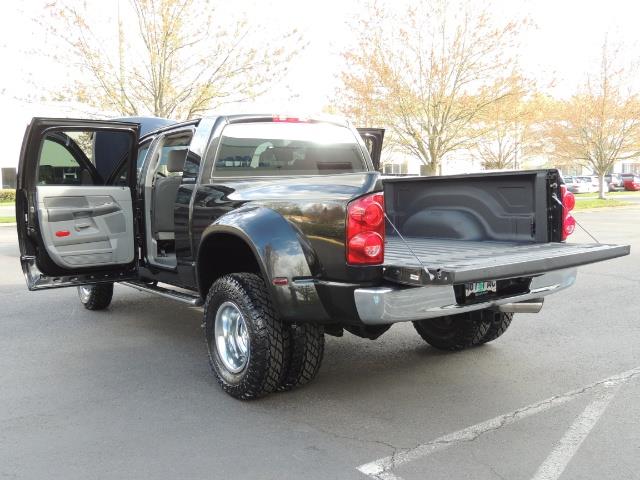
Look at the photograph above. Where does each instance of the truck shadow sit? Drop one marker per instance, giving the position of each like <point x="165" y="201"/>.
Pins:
<point x="352" y="367"/>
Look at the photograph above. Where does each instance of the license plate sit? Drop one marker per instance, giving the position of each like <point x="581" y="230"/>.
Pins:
<point x="480" y="288"/>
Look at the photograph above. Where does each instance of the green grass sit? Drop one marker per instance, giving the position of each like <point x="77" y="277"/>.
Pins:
<point x="610" y="194"/>
<point x="597" y="203"/>
<point x="7" y="219"/>
<point x="6" y="204"/>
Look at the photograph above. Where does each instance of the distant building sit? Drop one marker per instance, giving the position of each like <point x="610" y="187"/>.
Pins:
<point x="622" y="166"/>
<point x="8" y="177"/>
<point x="463" y="161"/>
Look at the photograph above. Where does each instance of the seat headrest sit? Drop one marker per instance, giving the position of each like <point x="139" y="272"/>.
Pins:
<point x="267" y="158"/>
<point x="85" y="177"/>
<point x="283" y="154"/>
<point x="175" y="160"/>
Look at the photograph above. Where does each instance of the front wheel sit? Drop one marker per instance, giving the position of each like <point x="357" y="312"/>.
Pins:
<point x="245" y="338"/>
<point x="454" y="332"/>
<point x="96" y="297"/>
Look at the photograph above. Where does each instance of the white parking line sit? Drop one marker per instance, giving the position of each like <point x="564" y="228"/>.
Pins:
<point x="382" y="468"/>
<point x="566" y="448"/>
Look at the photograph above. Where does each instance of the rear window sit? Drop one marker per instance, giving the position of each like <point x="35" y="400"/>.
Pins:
<point x="280" y="148"/>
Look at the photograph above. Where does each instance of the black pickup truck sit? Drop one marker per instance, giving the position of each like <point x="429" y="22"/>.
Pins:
<point x="283" y="229"/>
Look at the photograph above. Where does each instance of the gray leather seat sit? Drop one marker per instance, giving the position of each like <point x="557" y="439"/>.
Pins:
<point x="164" y="195"/>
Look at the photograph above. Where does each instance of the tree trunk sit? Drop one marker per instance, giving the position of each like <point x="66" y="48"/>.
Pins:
<point x="601" y="184"/>
<point x="427" y="170"/>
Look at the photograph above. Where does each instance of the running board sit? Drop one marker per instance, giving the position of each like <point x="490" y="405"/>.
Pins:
<point x="193" y="300"/>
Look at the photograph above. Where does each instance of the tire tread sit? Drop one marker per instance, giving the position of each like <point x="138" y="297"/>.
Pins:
<point x="266" y="364"/>
<point x="305" y="353"/>
<point x="468" y="330"/>
<point x="500" y="322"/>
<point x="100" y="296"/>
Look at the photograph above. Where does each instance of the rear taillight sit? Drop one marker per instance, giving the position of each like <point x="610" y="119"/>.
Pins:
<point x="365" y="230"/>
<point x="568" y="203"/>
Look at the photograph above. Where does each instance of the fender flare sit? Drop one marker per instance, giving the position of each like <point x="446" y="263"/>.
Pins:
<point x="281" y="250"/>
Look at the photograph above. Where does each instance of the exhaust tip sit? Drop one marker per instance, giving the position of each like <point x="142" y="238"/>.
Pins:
<point x="533" y="306"/>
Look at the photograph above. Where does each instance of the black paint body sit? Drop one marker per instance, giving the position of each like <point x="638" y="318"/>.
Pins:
<point x="294" y="227"/>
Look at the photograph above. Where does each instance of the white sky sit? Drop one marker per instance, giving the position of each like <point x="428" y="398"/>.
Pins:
<point x="564" y="44"/>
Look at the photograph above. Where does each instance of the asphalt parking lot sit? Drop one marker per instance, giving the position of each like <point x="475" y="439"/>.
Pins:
<point x="127" y="393"/>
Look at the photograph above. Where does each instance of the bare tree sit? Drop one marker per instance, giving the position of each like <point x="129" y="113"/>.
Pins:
<point x="601" y="124"/>
<point x="429" y="74"/>
<point x="177" y="58"/>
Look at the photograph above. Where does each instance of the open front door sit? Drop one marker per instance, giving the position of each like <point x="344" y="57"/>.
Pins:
<point x="373" y="138"/>
<point x="74" y="202"/>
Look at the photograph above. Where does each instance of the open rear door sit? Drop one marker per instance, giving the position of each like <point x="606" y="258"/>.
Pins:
<point x="74" y="202"/>
<point x="373" y="138"/>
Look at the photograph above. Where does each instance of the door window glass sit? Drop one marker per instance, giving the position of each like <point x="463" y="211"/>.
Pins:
<point x="172" y="154"/>
<point x="82" y="157"/>
<point x="58" y="166"/>
<point x="142" y="155"/>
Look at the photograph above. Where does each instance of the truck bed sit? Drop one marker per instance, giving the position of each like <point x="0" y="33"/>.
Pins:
<point x="459" y="261"/>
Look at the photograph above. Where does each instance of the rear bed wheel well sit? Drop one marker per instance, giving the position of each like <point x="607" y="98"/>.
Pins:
<point x="221" y="254"/>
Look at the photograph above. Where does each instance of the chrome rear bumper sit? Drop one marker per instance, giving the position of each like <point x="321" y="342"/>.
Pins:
<point x="383" y="305"/>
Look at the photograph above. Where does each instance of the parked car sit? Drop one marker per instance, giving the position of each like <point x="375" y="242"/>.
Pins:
<point x="568" y="181"/>
<point x="595" y="183"/>
<point x="615" y="182"/>
<point x="579" y="184"/>
<point x="631" y="181"/>
<point x="283" y="230"/>
<point x="591" y="184"/>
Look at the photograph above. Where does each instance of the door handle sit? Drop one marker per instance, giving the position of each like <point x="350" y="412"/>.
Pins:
<point x="103" y="209"/>
<point x="60" y="213"/>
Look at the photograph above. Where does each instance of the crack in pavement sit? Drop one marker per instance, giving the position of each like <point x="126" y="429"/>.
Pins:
<point x="488" y="465"/>
<point x="380" y="468"/>
<point x="395" y="449"/>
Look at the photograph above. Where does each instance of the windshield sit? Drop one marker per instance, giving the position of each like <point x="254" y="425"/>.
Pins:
<point x="281" y="148"/>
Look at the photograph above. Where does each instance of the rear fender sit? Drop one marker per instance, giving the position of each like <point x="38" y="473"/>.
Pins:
<point x="282" y="252"/>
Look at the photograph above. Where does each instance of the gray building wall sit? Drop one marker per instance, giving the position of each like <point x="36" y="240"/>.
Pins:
<point x="8" y="177"/>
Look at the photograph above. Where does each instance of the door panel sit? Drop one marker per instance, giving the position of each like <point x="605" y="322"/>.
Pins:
<point x="86" y="226"/>
<point x="74" y="202"/>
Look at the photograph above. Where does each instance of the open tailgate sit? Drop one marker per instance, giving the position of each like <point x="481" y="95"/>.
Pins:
<point x="423" y="261"/>
<point x="477" y="227"/>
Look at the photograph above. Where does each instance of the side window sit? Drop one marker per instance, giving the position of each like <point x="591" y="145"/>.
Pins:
<point x="82" y="157"/>
<point x="59" y="166"/>
<point x="142" y="155"/>
<point x="191" y="165"/>
<point x="121" y="178"/>
<point x="171" y="156"/>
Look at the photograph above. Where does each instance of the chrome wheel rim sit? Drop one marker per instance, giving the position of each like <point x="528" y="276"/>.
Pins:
<point x="231" y="337"/>
<point x="84" y="292"/>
